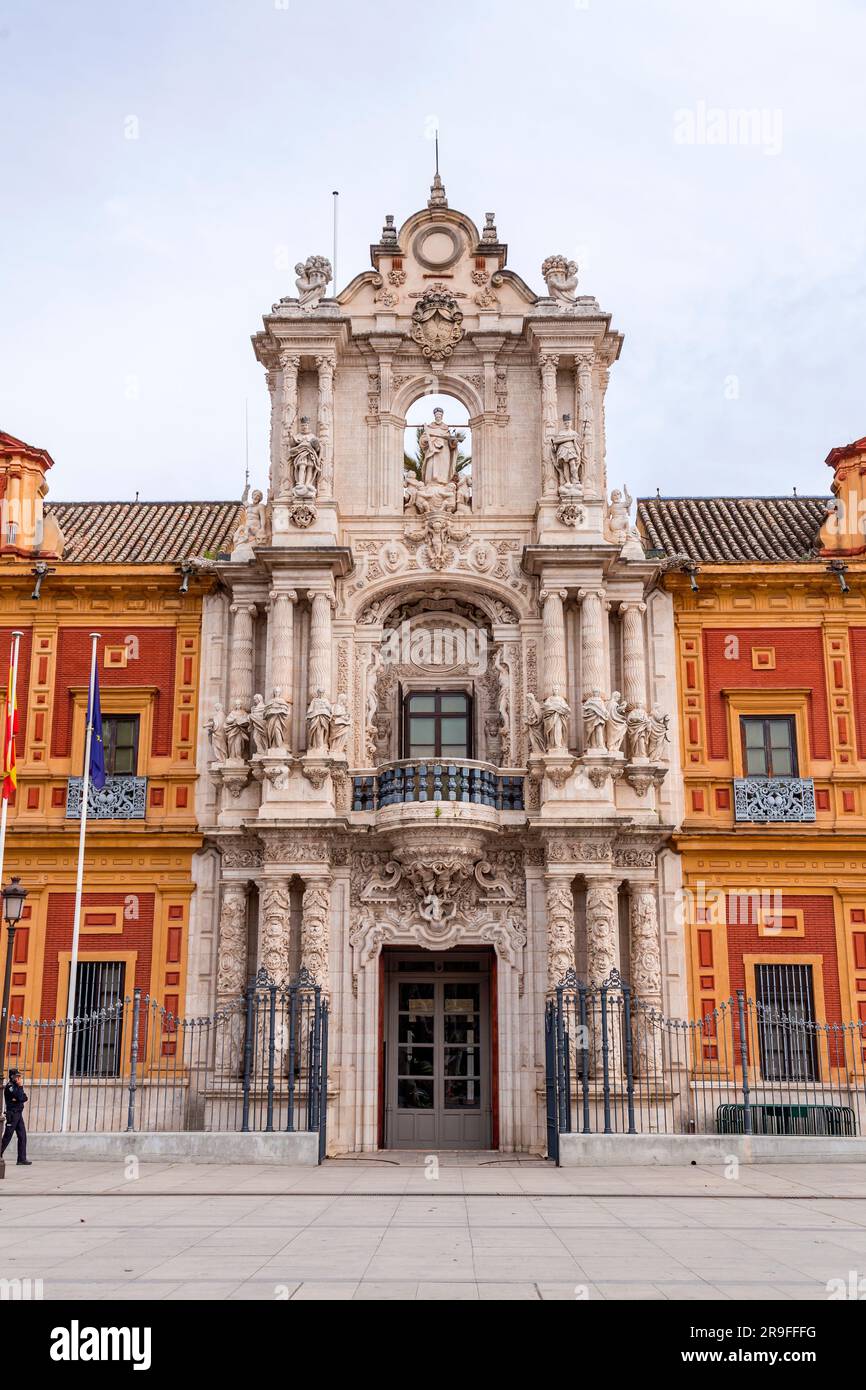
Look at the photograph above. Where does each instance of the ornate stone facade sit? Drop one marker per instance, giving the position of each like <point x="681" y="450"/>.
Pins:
<point x="510" y="598"/>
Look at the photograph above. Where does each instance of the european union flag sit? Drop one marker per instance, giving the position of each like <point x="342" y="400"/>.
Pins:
<point x="97" y="747"/>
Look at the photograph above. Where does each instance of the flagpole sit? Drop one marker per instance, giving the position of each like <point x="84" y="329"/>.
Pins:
<point x="79" y="884"/>
<point x="10" y="714"/>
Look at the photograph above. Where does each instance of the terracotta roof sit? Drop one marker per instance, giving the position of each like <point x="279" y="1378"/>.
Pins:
<point x="732" y="530"/>
<point x="142" y="533"/>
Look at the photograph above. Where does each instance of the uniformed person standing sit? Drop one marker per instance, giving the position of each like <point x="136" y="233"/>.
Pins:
<point x="15" y="1099"/>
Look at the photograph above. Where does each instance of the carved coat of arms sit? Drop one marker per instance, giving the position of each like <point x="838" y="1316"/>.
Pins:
<point x="437" y="324"/>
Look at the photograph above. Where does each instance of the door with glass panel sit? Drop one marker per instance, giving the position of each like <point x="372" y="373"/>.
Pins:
<point x="437" y="1052"/>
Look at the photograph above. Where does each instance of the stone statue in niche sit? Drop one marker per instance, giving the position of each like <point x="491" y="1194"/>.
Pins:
<point x="534" y="726"/>
<point x="440" y="488"/>
<point x="258" y="725"/>
<point x="594" y="722"/>
<point x="560" y="276"/>
<point x="341" y="721"/>
<point x="216" y="730"/>
<point x="568" y="459"/>
<point x="277" y="719"/>
<point x="318" y="723"/>
<point x="305" y="461"/>
<point x="555" y="712"/>
<point x="237" y="730"/>
<point x="657" y="734"/>
<point x="313" y="275"/>
<point x="637" y="731"/>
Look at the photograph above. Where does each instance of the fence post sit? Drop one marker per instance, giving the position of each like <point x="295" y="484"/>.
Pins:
<point x="629" y="1057"/>
<point x="584" y="1053"/>
<point x="133" y="1068"/>
<point x="605" y="1060"/>
<point x="272" y="1043"/>
<point x="314" y="1058"/>
<point x="744" y="1060"/>
<point x="323" y="1103"/>
<point x="293" y="1023"/>
<point x="550" y="1080"/>
<point x="248" y="1055"/>
<point x="561" y="1083"/>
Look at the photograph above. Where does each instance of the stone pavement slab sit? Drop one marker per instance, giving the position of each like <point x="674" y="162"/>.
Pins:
<point x="483" y="1228"/>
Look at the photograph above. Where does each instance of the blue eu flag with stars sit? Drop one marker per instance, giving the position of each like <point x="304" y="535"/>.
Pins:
<point x="97" y="747"/>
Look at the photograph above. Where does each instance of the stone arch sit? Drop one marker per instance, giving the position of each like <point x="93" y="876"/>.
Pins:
<point x="447" y="383"/>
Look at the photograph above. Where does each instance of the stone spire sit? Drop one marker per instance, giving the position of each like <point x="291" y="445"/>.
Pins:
<point x="437" y="197"/>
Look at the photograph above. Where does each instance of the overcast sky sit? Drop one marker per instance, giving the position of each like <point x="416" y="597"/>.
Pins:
<point x="730" y="254"/>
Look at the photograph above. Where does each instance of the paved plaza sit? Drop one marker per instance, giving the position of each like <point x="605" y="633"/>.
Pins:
<point x="401" y="1227"/>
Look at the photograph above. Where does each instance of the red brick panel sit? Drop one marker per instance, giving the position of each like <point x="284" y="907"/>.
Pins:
<point x="819" y="940"/>
<point x="23" y="681"/>
<point x="858" y="673"/>
<point x="799" y="662"/>
<point x="136" y="936"/>
<point x="154" y="666"/>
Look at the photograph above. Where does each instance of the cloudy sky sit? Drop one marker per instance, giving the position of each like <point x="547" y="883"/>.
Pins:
<point x="165" y="164"/>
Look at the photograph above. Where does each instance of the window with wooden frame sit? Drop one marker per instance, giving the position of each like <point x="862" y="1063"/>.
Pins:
<point x="769" y="745"/>
<point x="437" y="724"/>
<point x="120" y="741"/>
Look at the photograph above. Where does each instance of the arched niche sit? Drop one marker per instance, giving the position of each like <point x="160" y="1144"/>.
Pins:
<point x="413" y="404"/>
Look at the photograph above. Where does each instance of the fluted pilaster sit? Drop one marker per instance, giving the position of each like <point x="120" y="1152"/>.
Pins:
<point x="548" y="363"/>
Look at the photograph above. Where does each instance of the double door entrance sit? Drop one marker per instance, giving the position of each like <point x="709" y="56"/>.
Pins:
<point x="437" y="1051"/>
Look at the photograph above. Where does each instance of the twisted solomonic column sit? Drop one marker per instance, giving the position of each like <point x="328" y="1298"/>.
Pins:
<point x="241" y="672"/>
<point x="633" y="654"/>
<point x="281" y="640"/>
<point x="319" y="666"/>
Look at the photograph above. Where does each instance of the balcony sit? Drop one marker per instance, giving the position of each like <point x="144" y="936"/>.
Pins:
<point x="774" y="799"/>
<point x="122" y="798"/>
<point x="410" y="782"/>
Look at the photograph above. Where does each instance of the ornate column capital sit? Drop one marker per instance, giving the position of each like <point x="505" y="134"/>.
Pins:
<point x="276" y="594"/>
<point x="548" y="361"/>
<point x="545" y="594"/>
<point x="290" y="360"/>
<point x="630" y="605"/>
<point x="241" y="607"/>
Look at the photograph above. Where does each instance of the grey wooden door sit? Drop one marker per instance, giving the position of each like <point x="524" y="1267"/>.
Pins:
<point x="438" y="1053"/>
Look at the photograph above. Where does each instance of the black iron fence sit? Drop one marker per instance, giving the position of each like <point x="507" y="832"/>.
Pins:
<point x="616" y="1065"/>
<point x="260" y="1063"/>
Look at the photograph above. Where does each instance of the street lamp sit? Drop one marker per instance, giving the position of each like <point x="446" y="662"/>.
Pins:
<point x="13" y="906"/>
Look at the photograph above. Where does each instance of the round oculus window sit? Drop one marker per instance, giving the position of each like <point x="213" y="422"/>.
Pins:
<point x="437" y="247"/>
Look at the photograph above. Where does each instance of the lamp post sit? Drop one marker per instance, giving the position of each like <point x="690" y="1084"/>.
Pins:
<point x="13" y="906"/>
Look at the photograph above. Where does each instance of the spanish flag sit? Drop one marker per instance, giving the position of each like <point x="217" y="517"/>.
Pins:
<point x="10" y="729"/>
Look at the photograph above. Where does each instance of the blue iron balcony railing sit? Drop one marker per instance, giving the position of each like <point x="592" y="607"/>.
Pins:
<point x="479" y="784"/>
<point x="122" y="798"/>
<point x="774" y="799"/>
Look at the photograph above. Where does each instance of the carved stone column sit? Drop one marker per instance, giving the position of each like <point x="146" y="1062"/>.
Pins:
<point x="316" y="930"/>
<point x="633" y="654"/>
<point x="593" y="663"/>
<point x="326" y="363"/>
<point x="274" y="928"/>
<point x="559" y="902"/>
<point x="281" y="640"/>
<point x="602" y="957"/>
<point x="646" y="976"/>
<point x="586" y="424"/>
<point x="548" y="363"/>
<point x="232" y="971"/>
<point x="555" y="669"/>
<point x="241" y="675"/>
<point x="319" y="664"/>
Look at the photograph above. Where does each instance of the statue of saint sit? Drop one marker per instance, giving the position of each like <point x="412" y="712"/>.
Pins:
<point x="533" y="725"/>
<point x="616" y="722"/>
<point x="637" y="723"/>
<point x="237" y="727"/>
<point x="305" y="460"/>
<point x="276" y="720"/>
<point x="318" y="723"/>
<point x="594" y="721"/>
<point x="618" y="514"/>
<point x="340" y="724"/>
<point x="657" y="734"/>
<point x="554" y="716"/>
<point x="216" y="729"/>
<point x="567" y="456"/>
<point x="258" y="725"/>
<point x="439" y="444"/>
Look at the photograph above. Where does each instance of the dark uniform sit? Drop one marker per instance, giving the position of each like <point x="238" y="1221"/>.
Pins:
<point x="15" y="1099"/>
